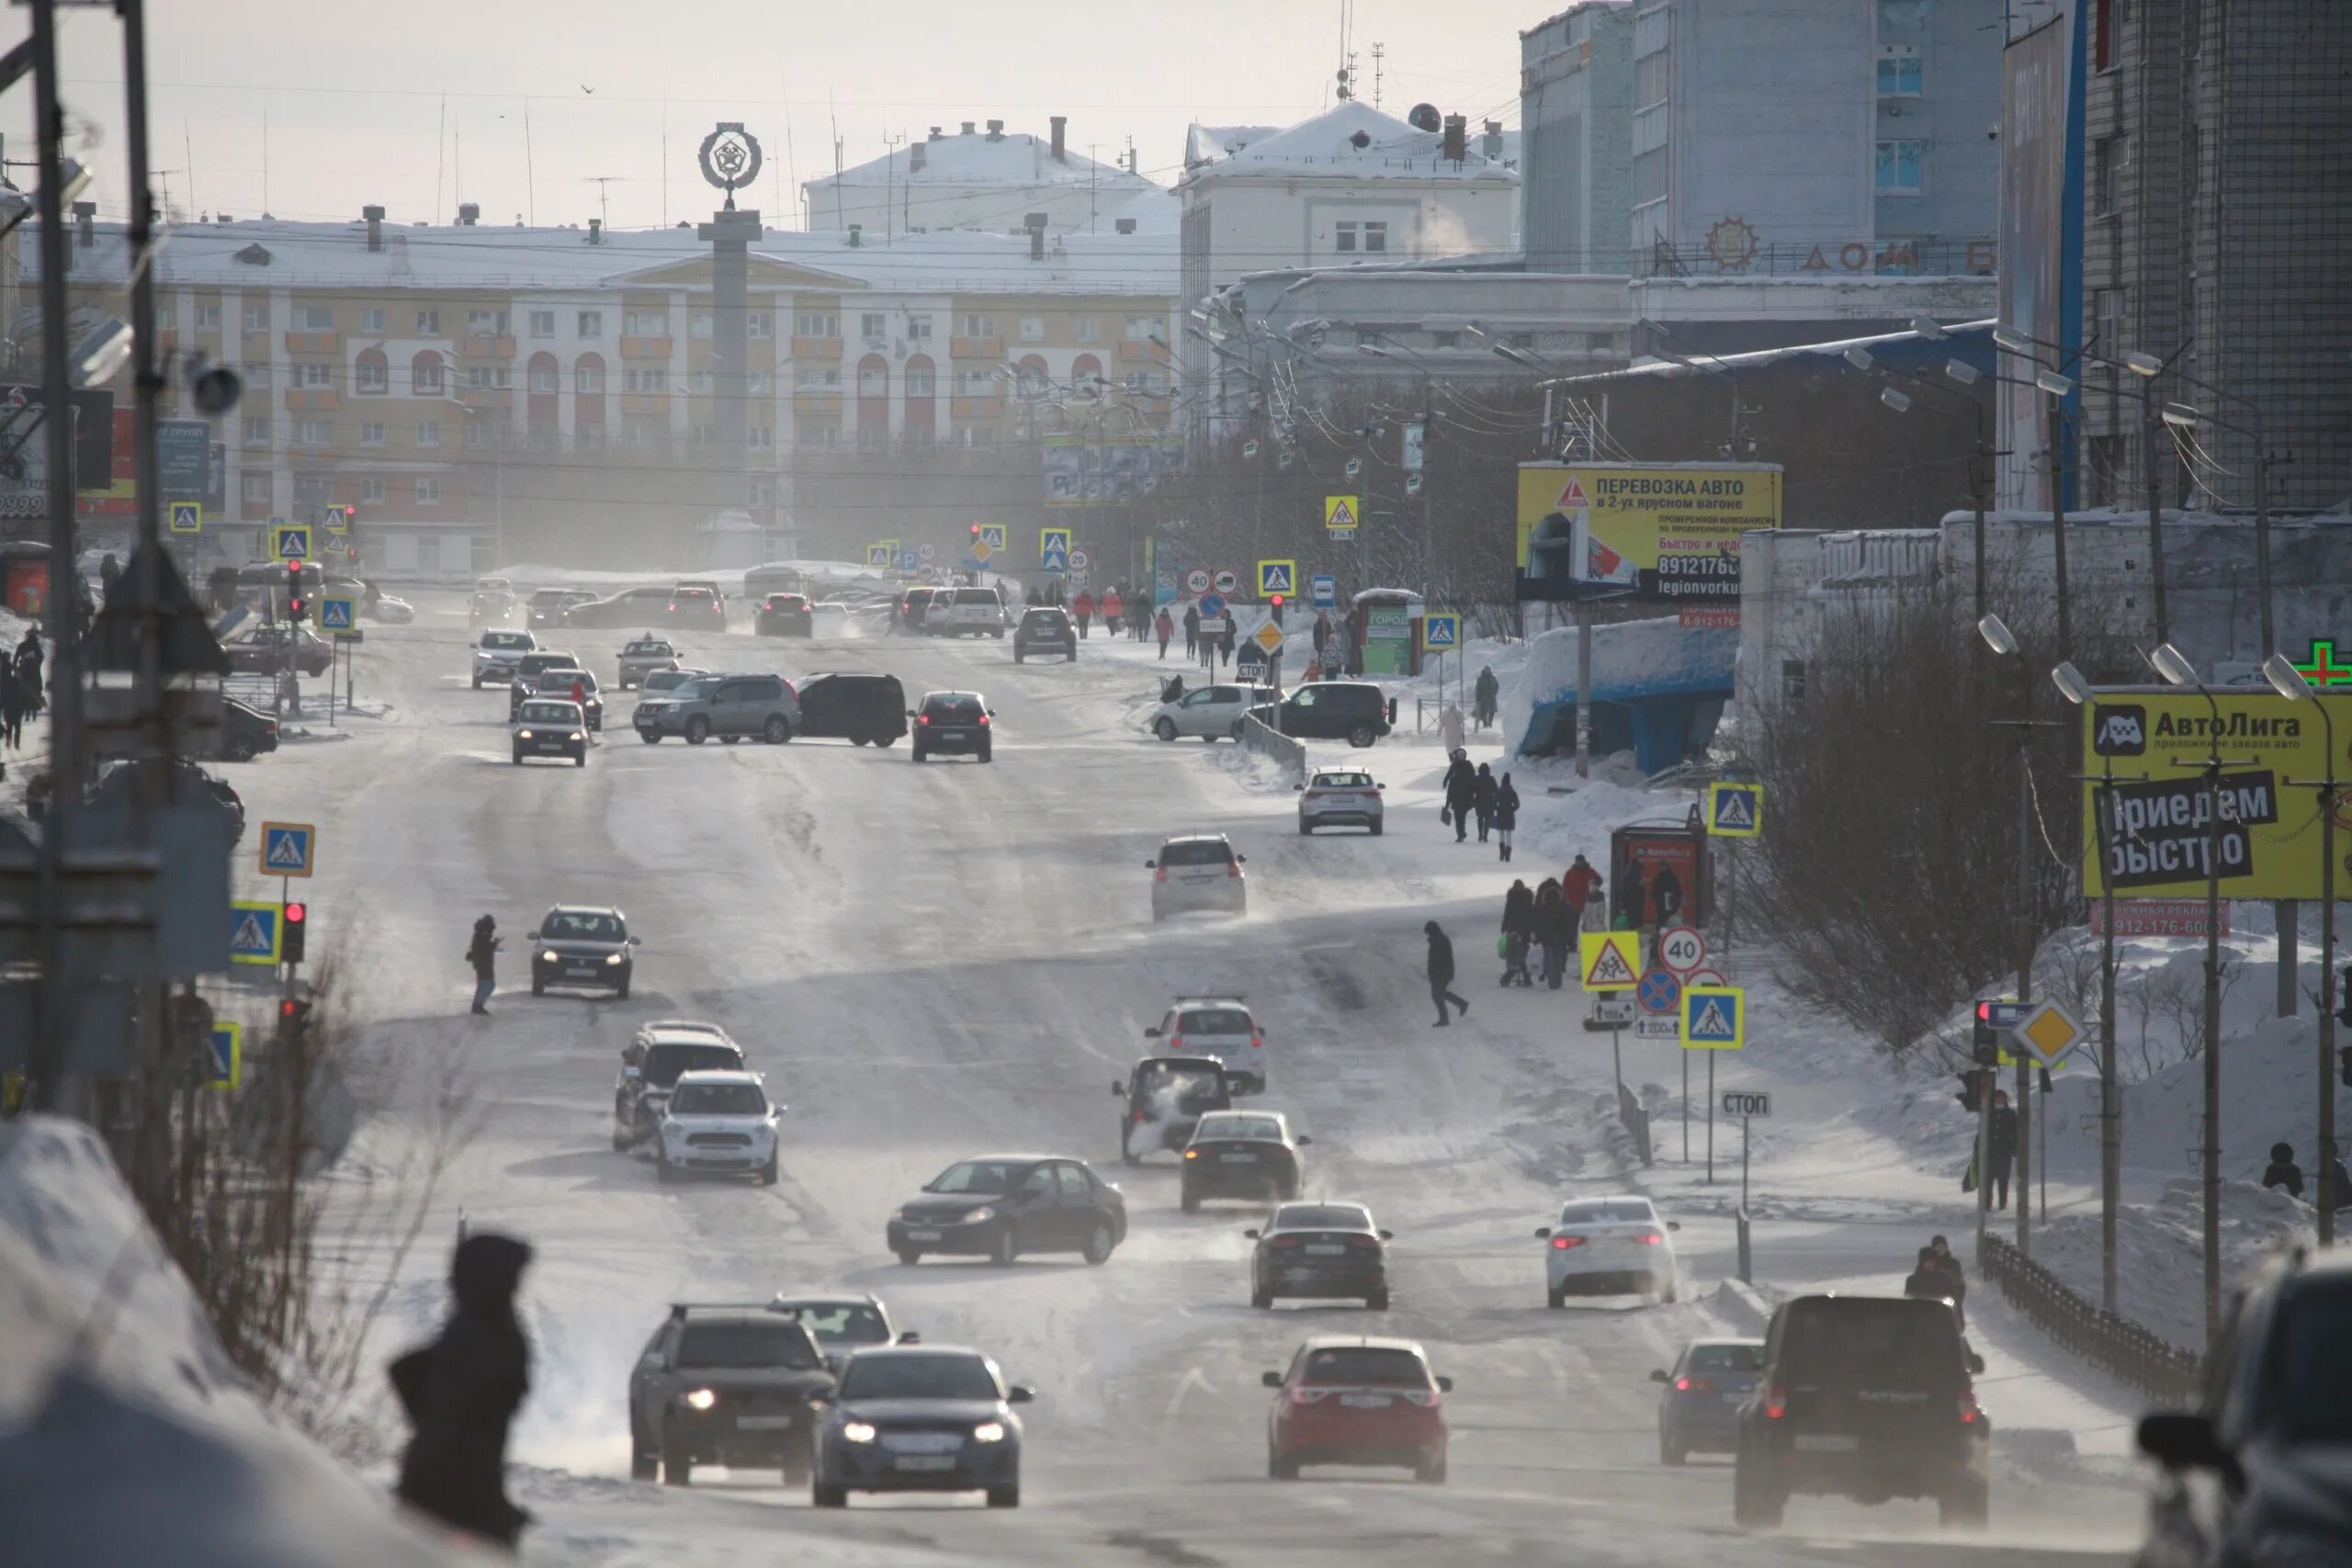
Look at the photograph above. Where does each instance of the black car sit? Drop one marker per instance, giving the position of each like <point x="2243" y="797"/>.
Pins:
<point x="784" y="614"/>
<point x="858" y="706"/>
<point x="913" y="605"/>
<point x="1354" y="711"/>
<point x="183" y="783"/>
<point x="245" y="732"/>
<point x="1163" y="1098"/>
<point x="553" y="675"/>
<point x="651" y="1064"/>
<point x="1321" y="1251"/>
<point x="2255" y="1474"/>
<point x="547" y="607"/>
<point x="1045" y="628"/>
<point x="951" y="722"/>
<point x="1250" y="1154"/>
<point x="629" y="607"/>
<point x="1001" y="1206"/>
<point x="732" y="1386"/>
<point x="937" y="1418"/>
<point x="581" y="944"/>
<point x="1698" y="1410"/>
<point x="1867" y="1397"/>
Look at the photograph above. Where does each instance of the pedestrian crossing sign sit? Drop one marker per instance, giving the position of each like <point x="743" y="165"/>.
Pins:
<point x="1277" y="577"/>
<point x="1713" y="1018"/>
<point x="1609" y="961"/>
<point x="1053" y="549"/>
<point x="290" y="541"/>
<point x="1340" y="512"/>
<point x="187" y="516"/>
<point x="286" y="848"/>
<point x="1441" y="633"/>
<point x="878" y="555"/>
<point x="337" y="613"/>
<point x="253" y="933"/>
<point x="228" y="1041"/>
<point x="1734" y="810"/>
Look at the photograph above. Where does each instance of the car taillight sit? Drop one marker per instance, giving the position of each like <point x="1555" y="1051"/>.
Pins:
<point x="1308" y="1396"/>
<point x="1282" y="1241"/>
<point x="789" y="691"/>
<point x="922" y="718"/>
<point x="1159" y="875"/>
<point x="984" y="721"/>
<point x="1968" y="1410"/>
<point x="1562" y="1243"/>
<point x="1364" y="1243"/>
<point x="1650" y="1239"/>
<point x="269" y="728"/>
<point x="673" y="609"/>
<point x="1192" y="1153"/>
<point x="1423" y="1396"/>
<point x="1175" y="1043"/>
<point x="1233" y="868"/>
<point x="1694" y="1385"/>
<point x="1776" y="1403"/>
<point x="1256" y="1041"/>
<point x="1139" y="1115"/>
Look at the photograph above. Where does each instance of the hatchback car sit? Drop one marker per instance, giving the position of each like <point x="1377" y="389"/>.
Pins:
<point x="864" y="708"/>
<point x="1347" y="1400"/>
<point x="1210" y="713"/>
<point x="965" y="611"/>
<point x="696" y="606"/>
<point x="579" y="944"/>
<point x="954" y="722"/>
<point x="557" y="682"/>
<point x="843" y="1324"/>
<point x="1163" y="1098"/>
<point x="245" y="732"/>
<point x="1608" y="1247"/>
<point x="914" y="604"/>
<point x="1219" y="1026"/>
<point x="1321" y="1251"/>
<point x="1042" y="629"/>
<point x="717" y="1123"/>
<point x="732" y="707"/>
<point x="1001" y="1206"/>
<point x="1354" y="711"/>
<point x="1698" y="1408"/>
<point x="498" y="654"/>
<point x="928" y="1418"/>
<point x="731" y="1385"/>
<point x="1336" y="798"/>
<point x="1250" y="1155"/>
<point x="392" y="610"/>
<point x="784" y="614"/>
<point x="1196" y="872"/>
<point x="544" y="727"/>
<point x="641" y="656"/>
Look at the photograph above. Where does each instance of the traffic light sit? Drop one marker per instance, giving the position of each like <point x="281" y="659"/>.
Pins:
<point x="294" y="607"/>
<point x="2344" y="1066"/>
<point x="1278" y="609"/>
<point x="1975" y="1088"/>
<point x="1986" y="1040"/>
<point x="294" y="930"/>
<point x="293" y="1019"/>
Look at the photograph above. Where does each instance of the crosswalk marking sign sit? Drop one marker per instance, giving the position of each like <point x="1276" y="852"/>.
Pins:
<point x="1736" y="810"/>
<point x="1441" y="633"/>
<point x="228" y="1042"/>
<point x="1713" y="1018"/>
<point x="877" y="556"/>
<point x="1277" y="577"/>
<point x="253" y="933"/>
<point x="1053" y="549"/>
<point x="290" y="541"/>
<point x="1340" y="512"/>
<point x="992" y="536"/>
<point x="1611" y="960"/>
<point x="337" y="613"/>
<point x="286" y="848"/>
<point x="187" y="516"/>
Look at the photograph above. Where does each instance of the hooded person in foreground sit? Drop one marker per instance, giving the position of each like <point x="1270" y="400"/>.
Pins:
<point x="461" y="1392"/>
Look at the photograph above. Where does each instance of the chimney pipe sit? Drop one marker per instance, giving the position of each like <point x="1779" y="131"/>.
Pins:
<point x="856" y="235"/>
<point x="375" y="215"/>
<point x="1457" y="138"/>
<point x="996" y="130"/>
<point x="469" y="213"/>
<point x="85" y="222"/>
<point x="915" y="158"/>
<point x="1060" y="123"/>
<point x="1124" y="225"/>
<point x="969" y="127"/>
<point x="1493" y="147"/>
<point x="1036" y="222"/>
<point x="934" y="133"/>
<point x="596" y="230"/>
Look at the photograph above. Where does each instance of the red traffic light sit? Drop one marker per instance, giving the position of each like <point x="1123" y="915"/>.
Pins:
<point x="1984" y="1012"/>
<point x="289" y="1009"/>
<point x="976" y="530"/>
<point x="296" y="914"/>
<point x="1278" y="600"/>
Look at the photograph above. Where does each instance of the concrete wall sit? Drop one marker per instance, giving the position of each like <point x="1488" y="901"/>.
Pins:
<point x="1960" y="187"/>
<point x="1576" y="118"/>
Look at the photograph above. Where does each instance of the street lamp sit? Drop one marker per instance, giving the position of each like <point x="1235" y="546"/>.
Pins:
<point x="2057" y="387"/>
<point x="2079" y="692"/>
<point x="2288" y="683"/>
<point x="2004" y="642"/>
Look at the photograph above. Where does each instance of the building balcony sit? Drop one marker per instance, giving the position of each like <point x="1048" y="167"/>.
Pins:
<point x="816" y="347"/>
<point x="646" y="403"/>
<point x="314" y="343"/>
<point x="312" y="399"/>
<point x="976" y="347"/>
<point x="645" y="348"/>
<point x="978" y="408"/>
<point x="817" y="400"/>
<point x="1141" y="351"/>
<point x="487" y="347"/>
<point x="484" y="397"/>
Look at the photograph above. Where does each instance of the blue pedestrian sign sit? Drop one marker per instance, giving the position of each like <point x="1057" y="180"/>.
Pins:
<point x="879" y="555"/>
<point x="1734" y="810"/>
<point x="1323" y="591"/>
<point x="338" y="613"/>
<point x="992" y="536"/>
<point x="1277" y="577"/>
<point x="1713" y="1018"/>
<point x="187" y="516"/>
<point x="228" y="1042"/>
<point x="286" y="848"/>
<point x="909" y="560"/>
<point x="1441" y="633"/>
<point x="1053" y="549"/>
<point x="253" y="933"/>
<point x="1660" y="992"/>
<point x="290" y="541"/>
<point x="1212" y="605"/>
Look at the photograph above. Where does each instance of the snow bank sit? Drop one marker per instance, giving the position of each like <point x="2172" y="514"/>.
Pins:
<point x="2159" y="1251"/>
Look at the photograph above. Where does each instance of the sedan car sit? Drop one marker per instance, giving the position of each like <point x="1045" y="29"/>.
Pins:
<point x="717" y="1123"/>
<point x="1043" y="630"/>
<point x="843" y="1324"/>
<point x="640" y="655"/>
<point x="267" y="650"/>
<point x="245" y="732"/>
<point x="1340" y="798"/>
<point x="1609" y="1246"/>
<point x="731" y="1385"/>
<point x="1250" y="1154"/>
<point x="954" y="722"/>
<point x="391" y="610"/>
<point x="544" y="726"/>
<point x="784" y="614"/>
<point x="493" y="607"/>
<point x="1698" y="1410"/>
<point x="1358" y="1401"/>
<point x="583" y="944"/>
<point x="1321" y="1251"/>
<point x="1210" y="713"/>
<point x="1197" y="872"/>
<point x="934" y="1418"/>
<point x="499" y="654"/>
<point x="1001" y="1206"/>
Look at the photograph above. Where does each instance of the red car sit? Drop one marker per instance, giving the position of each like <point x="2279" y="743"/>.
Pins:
<point x="1349" y="1400"/>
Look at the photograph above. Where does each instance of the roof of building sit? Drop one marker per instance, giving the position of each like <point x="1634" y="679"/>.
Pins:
<point x="1350" y="140"/>
<point x="1970" y="341"/>
<point x="980" y="158"/>
<point x="273" y="254"/>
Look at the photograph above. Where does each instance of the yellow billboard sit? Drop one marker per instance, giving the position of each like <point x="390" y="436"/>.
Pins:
<point x="2154" y="743"/>
<point x="1658" y="531"/>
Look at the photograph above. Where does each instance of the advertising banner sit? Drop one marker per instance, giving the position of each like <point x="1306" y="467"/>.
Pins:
<point x="1664" y="532"/>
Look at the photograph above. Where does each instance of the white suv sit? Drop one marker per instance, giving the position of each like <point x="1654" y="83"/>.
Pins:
<point x="1211" y="713"/>
<point x="720" y="1122"/>
<point x="965" y="611"/>
<point x="1219" y="1026"/>
<point x="1609" y="1246"/>
<point x="1198" y="871"/>
<point x="498" y="653"/>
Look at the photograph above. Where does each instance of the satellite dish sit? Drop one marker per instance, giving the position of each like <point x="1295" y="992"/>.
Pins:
<point x="1424" y="116"/>
<point x="1360" y="141"/>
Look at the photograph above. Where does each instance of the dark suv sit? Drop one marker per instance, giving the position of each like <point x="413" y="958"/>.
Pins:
<point x="868" y="709"/>
<point x="1354" y="711"/>
<point x="1162" y="1100"/>
<point x="1867" y="1397"/>
<point x="731" y="1385"/>
<point x="1045" y="628"/>
<point x="2255" y="1475"/>
<point x="954" y="721"/>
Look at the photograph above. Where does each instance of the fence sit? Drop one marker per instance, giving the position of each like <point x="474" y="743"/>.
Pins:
<point x="2131" y="1355"/>
<point x="1260" y="737"/>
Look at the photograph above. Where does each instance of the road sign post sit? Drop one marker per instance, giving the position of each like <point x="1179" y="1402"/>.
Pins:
<point x="1342" y="515"/>
<point x="290" y="541"/>
<point x="1053" y="549"/>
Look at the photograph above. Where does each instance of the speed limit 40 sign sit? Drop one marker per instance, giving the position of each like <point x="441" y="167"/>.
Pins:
<point x="1681" y="949"/>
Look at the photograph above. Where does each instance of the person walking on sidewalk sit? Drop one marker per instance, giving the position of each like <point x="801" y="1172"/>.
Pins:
<point x="482" y="953"/>
<point x="1519" y="932"/>
<point x="1554" y="926"/>
<point x="1483" y="802"/>
<point x="1460" y="793"/>
<point x="1506" y="815"/>
<point x="1166" y="628"/>
<point x="1192" y="631"/>
<point x="1484" y="695"/>
<point x="461" y="1393"/>
<point x="1084" y="608"/>
<point x="1440" y="969"/>
<point x="2004" y="1148"/>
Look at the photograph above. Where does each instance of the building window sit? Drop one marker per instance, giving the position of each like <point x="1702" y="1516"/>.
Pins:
<point x="372" y="322"/>
<point x="207" y="318"/>
<point x="371" y="491"/>
<point x="918" y="326"/>
<point x="256" y="430"/>
<point x="428" y="546"/>
<point x="428" y="432"/>
<point x="2107" y="34"/>
<point x="313" y="318"/>
<point x="636" y="380"/>
<point x="592" y="324"/>
<point x="486" y="323"/>
<point x="589" y="437"/>
<point x="428" y="323"/>
<point x="922" y="381"/>
<point x="974" y="324"/>
<point x="760" y="437"/>
<point x="705" y="435"/>
<point x="646" y="323"/>
<point x="314" y="432"/>
<point x="758" y="324"/>
<point x="2110" y="156"/>
<point x="315" y="375"/>
<point x="1445" y="340"/>
<point x="1090" y="328"/>
<point x="372" y="373"/>
<point x="1600" y="343"/>
<point x="543" y="323"/>
<point x="371" y="432"/>
<point x="874" y="326"/>
<point x="544" y="379"/>
<point x="257" y="375"/>
<point x="758" y="384"/>
<point x="588" y="380"/>
<point x="643" y="430"/>
<point x="428" y="493"/>
<point x="817" y="380"/>
<point x="313" y="490"/>
<point x="1343" y="237"/>
<point x="1032" y="329"/>
<point x="1898" y="71"/>
<point x="1793" y="680"/>
<point x="817" y="324"/>
<point x="701" y="325"/>
<point x="256" y="490"/>
<point x="699" y="383"/>
<point x="1141" y="328"/>
<point x="873" y="379"/>
<point x="820" y="435"/>
<point x="975" y="383"/>
<point x="1898" y="168"/>
<point x="489" y="377"/>
<point x="258" y="318"/>
<point x="482" y="435"/>
<point x="1375" y="236"/>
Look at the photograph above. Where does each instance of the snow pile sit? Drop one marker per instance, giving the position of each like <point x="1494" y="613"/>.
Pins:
<point x="2159" y="1252"/>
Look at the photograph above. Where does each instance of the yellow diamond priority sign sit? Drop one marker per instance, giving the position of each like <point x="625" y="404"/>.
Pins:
<point x="1609" y="961"/>
<point x="2049" y="1031"/>
<point x="1269" y="638"/>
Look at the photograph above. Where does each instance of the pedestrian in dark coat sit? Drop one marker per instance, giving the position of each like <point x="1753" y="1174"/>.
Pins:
<point x="1554" y="926"/>
<point x="1519" y="932"/>
<point x="1666" y="892"/>
<point x="2005" y="1146"/>
<point x="1225" y="642"/>
<point x="1483" y="800"/>
<point x="482" y="953"/>
<point x="1582" y="885"/>
<point x="2283" y="1171"/>
<point x="1506" y="814"/>
<point x="1441" y="970"/>
<point x="1940" y="1259"/>
<point x="12" y="709"/>
<point x="461" y="1392"/>
<point x="1460" y="793"/>
<point x="1192" y="631"/>
<point x="1485" y="692"/>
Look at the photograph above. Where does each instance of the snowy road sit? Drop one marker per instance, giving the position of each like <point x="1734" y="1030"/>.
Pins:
<point x="951" y="959"/>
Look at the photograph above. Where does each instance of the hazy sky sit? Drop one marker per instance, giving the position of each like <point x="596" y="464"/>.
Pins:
<point x="420" y="104"/>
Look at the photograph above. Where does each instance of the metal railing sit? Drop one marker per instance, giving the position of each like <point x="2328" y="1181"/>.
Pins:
<point x="2133" y="1355"/>
<point x="1260" y="737"/>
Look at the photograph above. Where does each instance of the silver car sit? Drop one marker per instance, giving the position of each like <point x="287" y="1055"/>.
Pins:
<point x="1197" y="871"/>
<point x="731" y="708"/>
<point x="660" y="682"/>
<point x="643" y="655"/>
<point x="1339" y="797"/>
<point x="497" y="654"/>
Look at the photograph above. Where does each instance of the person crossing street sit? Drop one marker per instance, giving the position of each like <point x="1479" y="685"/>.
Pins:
<point x="1440" y="973"/>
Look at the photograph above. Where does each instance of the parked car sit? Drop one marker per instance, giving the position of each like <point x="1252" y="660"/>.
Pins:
<point x="265" y="652"/>
<point x="1698" y="1408"/>
<point x="1354" y="711"/>
<point x="1358" y="1401"/>
<point x="784" y="614"/>
<point x="1211" y="713"/>
<point x="1045" y="628"/>
<point x="860" y="707"/>
<point x="245" y="732"/>
<point x="732" y="707"/>
<point x="1334" y="797"/>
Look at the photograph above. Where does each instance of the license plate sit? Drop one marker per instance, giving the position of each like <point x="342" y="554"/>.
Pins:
<point x="922" y="1235"/>
<point x="1366" y="1401"/>
<point x="763" y="1423"/>
<point x="1324" y="1249"/>
<point x="1239" y="1159"/>
<point x="955" y="735"/>
<point x="582" y="969"/>
<point x="1815" y="1444"/>
<point x="926" y="1461"/>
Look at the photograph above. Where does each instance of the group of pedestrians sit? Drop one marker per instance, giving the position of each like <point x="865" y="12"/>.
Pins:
<point x="1544" y="921"/>
<point x="1477" y="794"/>
<point x="2286" y="1175"/>
<point x="20" y="688"/>
<point x="1936" y="1276"/>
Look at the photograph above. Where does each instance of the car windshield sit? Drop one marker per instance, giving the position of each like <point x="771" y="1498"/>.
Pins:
<point x="667" y="680"/>
<point x="582" y="925"/>
<point x="1342" y="781"/>
<point x="1197" y="851"/>
<point x="506" y="640"/>
<point x="694" y="691"/>
<point x="780" y="1344"/>
<point x="1215" y="1020"/>
<point x="1726" y="1358"/>
<point x="550" y="713"/>
<point x="919" y="1377"/>
<point x="1239" y="1125"/>
<point x="952" y="707"/>
<point x="1321" y="1217"/>
<point x="1194" y="1088"/>
<point x="842" y="1323"/>
<point x="978" y="596"/>
<point x="786" y="602"/>
<point x="984" y="1176"/>
<point x="1871" y="1343"/>
<point x="551" y="597"/>
<point x="719" y="1099"/>
<point x="655" y="649"/>
<point x="1043" y="619"/>
<point x="664" y="1063"/>
<point x="1376" y="1366"/>
<point x="2311" y="1372"/>
<point x="1610" y="1211"/>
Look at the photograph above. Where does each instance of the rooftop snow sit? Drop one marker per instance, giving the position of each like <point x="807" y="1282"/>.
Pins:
<point x="1327" y="145"/>
<point x="982" y="159"/>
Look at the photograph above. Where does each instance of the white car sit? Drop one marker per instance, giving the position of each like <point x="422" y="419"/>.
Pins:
<point x="497" y="654"/>
<point x="1609" y="1246"/>
<point x="1222" y="1027"/>
<point x="719" y="1123"/>
<point x="965" y="611"/>
<point x="392" y="611"/>
<point x="1196" y="872"/>
<point x="1211" y="713"/>
<point x="1334" y="797"/>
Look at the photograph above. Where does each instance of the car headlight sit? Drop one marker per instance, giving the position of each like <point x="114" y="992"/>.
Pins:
<point x="702" y="1399"/>
<point x="577" y="736"/>
<point x="857" y="1431"/>
<point x="980" y="1215"/>
<point x="543" y="957"/>
<point x="525" y="735"/>
<point x="899" y="1214"/>
<point x="989" y="1432"/>
<point x="610" y="957"/>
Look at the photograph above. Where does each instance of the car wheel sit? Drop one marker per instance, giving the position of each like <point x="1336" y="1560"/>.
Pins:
<point x="579" y="758"/>
<point x="861" y="740"/>
<point x="1555" y="1298"/>
<point x="644" y="1467"/>
<point x="918" y="754"/>
<point x="1190" y="1201"/>
<point x="677" y="1469"/>
<point x="1016" y="656"/>
<point x="1236" y="732"/>
<point x="1260" y="1298"/>
<point x="986" y="755"/>
<point x="796" y="1468"/>
<point x="1375" y="827"/>
<point x="1098" y="1244"/>
<point x="538" y="987"/>
<point x="518" y="756"/>
<point x="1127" y="1143"/>
<point x="1668" y="1452"/>
<point x="885" y="742"/>
<point x="1360" y="737"/>
<point x="620" y="992"/>
<point x="648" y="736"/>
<point x="909" y="1256"/>
<point x="697" y="730"/>
<point x="1000" y="635"/>
<point x="1004" y="1496"/>
<point x="1280" y="1467"/>
<point x="1306" y="828"/>
<point x="242" y="749"/>
<point x="621" y="1140"/>
<point x="1377" y="1300"/>
<point x="1071" y="657"/>
<point x="1968" y="1506"/>
<point x="824" y="1497"/>
<point x="1432" y="1474"/>
<point x="1165" y="729"/>
<point x="767" y="1172"/>
<point x="1006" y="1249"/>
<point x="477" y="682"/>
<point x="778" y="731"/>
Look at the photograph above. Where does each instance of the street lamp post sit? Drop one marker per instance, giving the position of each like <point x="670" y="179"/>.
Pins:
<point x="2079" y="692"/>
<point x="2002" y="641"/>
<point x="2288" y="683"/>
